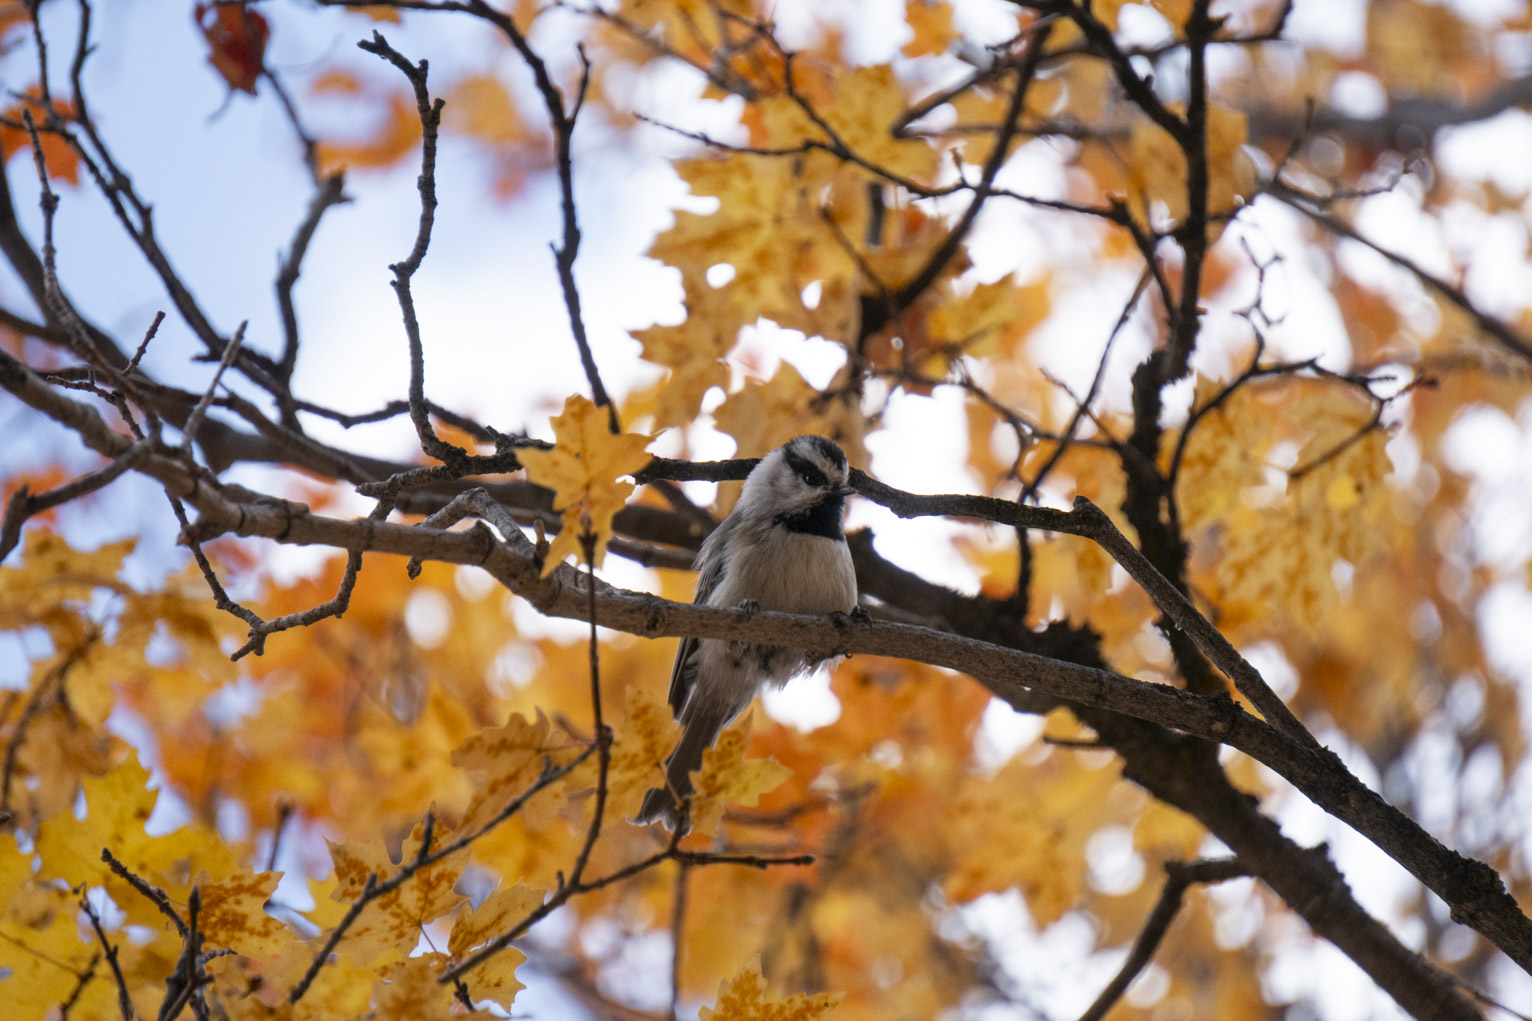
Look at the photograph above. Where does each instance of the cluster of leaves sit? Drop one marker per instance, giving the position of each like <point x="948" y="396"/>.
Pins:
<point x="473" y="776"/>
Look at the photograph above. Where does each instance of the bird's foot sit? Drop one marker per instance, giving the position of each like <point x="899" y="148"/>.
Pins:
<point x="857" y="616"/>
<point x="750" y="607"/>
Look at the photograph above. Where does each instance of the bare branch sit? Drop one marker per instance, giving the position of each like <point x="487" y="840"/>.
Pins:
<point x="330" y="192"/>
<point x="1178" y="876"/>
<point x="124" y="1000"/>
<point x="23" y="503"/>
<point x="194" y="420"/>
<point x="1308" y="206"/>
<point x="153" y="894"/>
<point x="430" y="122"/>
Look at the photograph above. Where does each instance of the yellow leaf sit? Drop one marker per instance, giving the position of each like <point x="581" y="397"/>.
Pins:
<point x="504" y="762"/>
<point x="990" y="317"/>
<point x="693" y="349"/>
<point x="15" y="870"/>
<point x="44" y="957"/>
<point x="234" y="915"/>
<point x="393" y="921"/>
<point x="50" y="573"/>
<point x="116" y="808"/>
<point x="931" y="23"/>
<point x="499" y="912"/>
<point x="639" y="751"/>
<point x="582" y="470"/>
<point x="1224" y="455"/>
<point x="1272" y="561"/>
<point x="1157" y="166"/>
<point x="763" y="416"/>
<point x="496" y="979"/>
<point x="743" y="998"/>
<point x="1026" y="828"/>
<point x="411" y="993"/>
<point x="378" y="12"/>
<point x="862" y="107"/>
<point x="727" y="777"/>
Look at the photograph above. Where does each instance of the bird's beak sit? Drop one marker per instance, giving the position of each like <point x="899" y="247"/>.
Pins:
<point x="846" y="491"/>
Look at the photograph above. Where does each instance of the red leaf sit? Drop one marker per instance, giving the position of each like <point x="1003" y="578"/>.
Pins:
<point x="236" y="39"/>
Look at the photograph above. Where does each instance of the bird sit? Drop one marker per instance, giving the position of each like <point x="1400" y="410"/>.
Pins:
<point x="782" y="547"/>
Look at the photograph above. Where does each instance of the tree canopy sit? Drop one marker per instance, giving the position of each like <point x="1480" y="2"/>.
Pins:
<point x="1199" y="696"/>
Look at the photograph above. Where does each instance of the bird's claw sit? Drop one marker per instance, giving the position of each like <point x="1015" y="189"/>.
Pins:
<point x="857" y="616"/>
<point x="750" y="607"/>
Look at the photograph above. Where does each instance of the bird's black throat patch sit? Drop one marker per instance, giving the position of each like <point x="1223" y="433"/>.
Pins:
<point x="824" y="518"/>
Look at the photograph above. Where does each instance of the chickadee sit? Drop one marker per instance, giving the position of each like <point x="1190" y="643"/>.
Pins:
<point x="781" y="548"/>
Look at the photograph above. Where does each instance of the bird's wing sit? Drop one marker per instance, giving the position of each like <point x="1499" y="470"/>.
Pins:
<point x="714" y="555"/>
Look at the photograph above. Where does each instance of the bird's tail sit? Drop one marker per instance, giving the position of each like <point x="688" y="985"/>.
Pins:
<point x="668" y="804"/>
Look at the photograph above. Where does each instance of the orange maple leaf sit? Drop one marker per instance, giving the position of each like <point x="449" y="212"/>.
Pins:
<point x="58" y="157"/>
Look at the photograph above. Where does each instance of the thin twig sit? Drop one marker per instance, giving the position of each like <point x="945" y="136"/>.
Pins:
<point x="24" y="504"/>
<point x="143" y="346"/>
<point x="1308" y="206"/>
<point x="330" y="192"/>
<point x="430" y="112"/>
<point x="603" y="733"/>
<point x="85" y="978"/>
<point x="1178" y="876"/>
<point x="194" y="420"/>
<point x="124" y="999"/>
<point x="153" y="894"/>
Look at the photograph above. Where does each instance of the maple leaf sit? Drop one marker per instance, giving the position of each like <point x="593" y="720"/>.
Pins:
<point x="61" y="160"/>
<point x="763" y="416"/>
<point x="481" y="107"/>
<point x="15" y="869"/>
<point x="639" y="751"/>
<point x="504" y="763"/>
<point x="497" y="913"/>
<point x="411" y="992"/>
<point x="395" y="138"/>
<point x="583" y="469"/>
<point x="1025" y="828"/>
<point x="727" y="777"/>
<point x="931" y="27"/>
<point x="51" y="573"/>
<point x="116" y="808"/>
<point x="1157" y="166"/>
<point x="501" y="910"/>
<point x="43" y="957"/>
<point x="236" y="38"/>
<point x="863" y="105"/>
<point x="393" y="921"/>
<point x="743" y="998"/>
<point x="233" y="915"/>
<point x="693" y="349"/>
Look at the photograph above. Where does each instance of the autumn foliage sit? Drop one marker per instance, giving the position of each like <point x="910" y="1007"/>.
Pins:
<point x="1200" y="696"/>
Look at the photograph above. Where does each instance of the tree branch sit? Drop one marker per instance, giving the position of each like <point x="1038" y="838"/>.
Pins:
<point x="1178" y="877"/>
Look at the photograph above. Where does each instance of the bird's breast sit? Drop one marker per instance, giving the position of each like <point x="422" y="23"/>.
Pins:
<point x="790" y="572"/>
